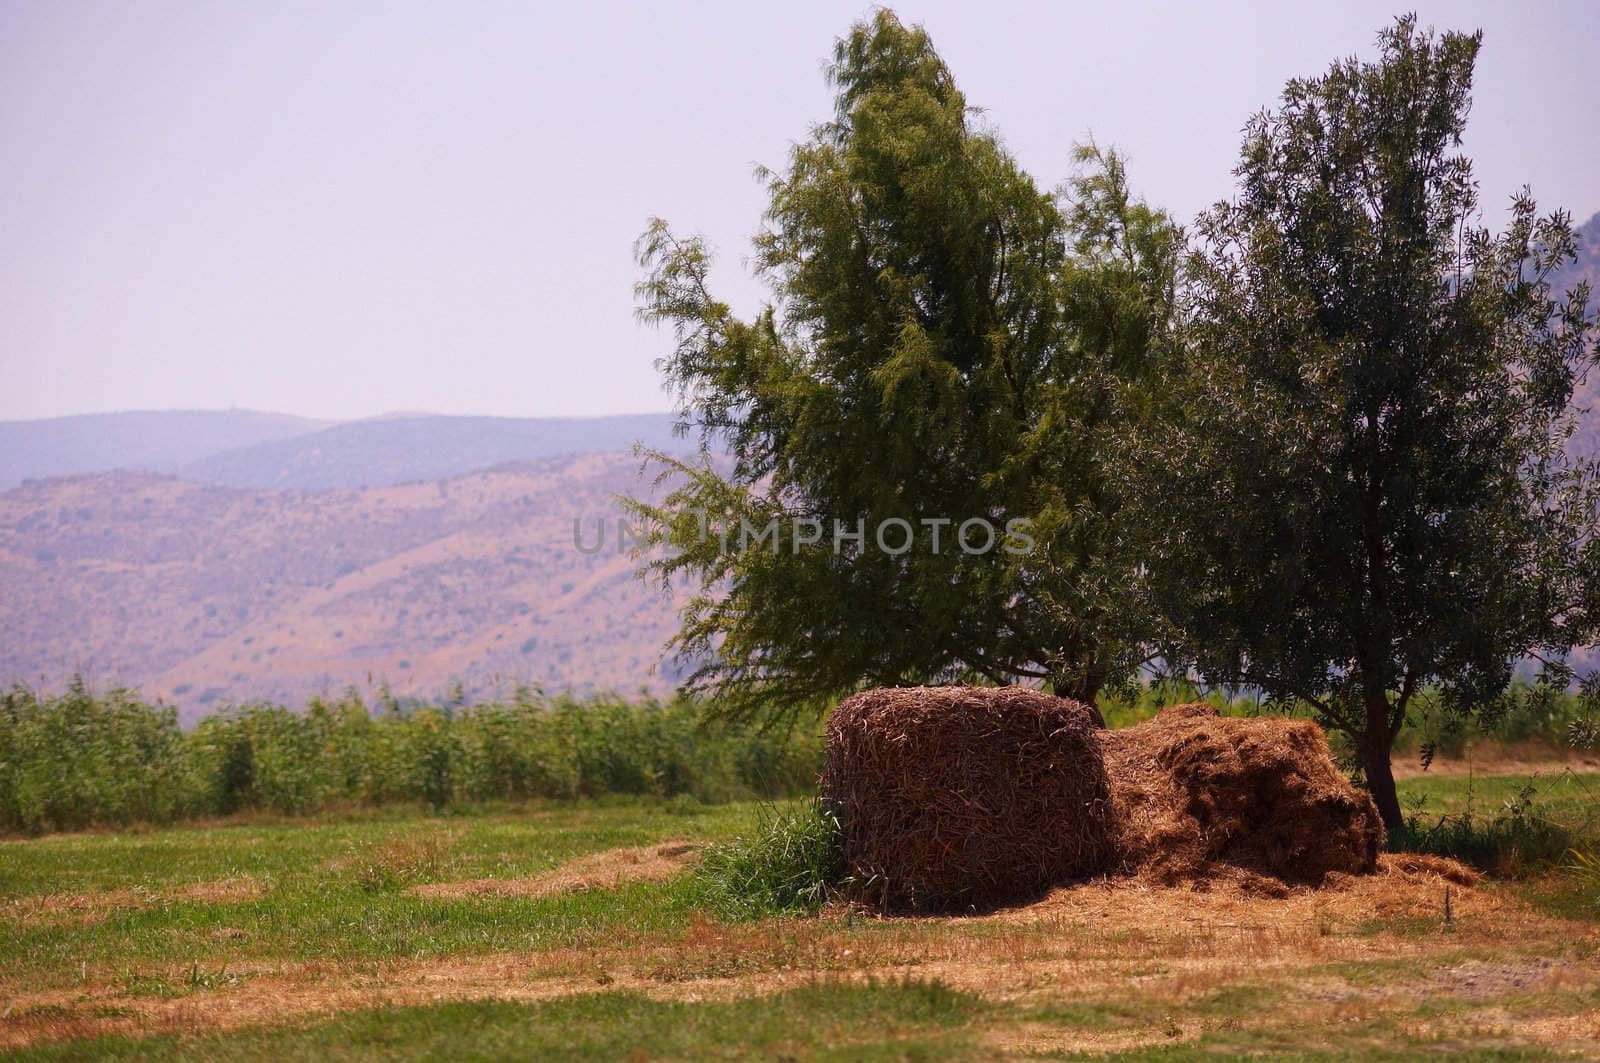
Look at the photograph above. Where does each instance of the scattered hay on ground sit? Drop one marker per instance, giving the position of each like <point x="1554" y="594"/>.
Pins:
<point x="966" y="796"/>
<point x="1111" y="941"/>
<point x="1421" y="864"/>
<point x="1259" y="802"/>
<point x="65" y="909"/>
<point x="595" y="871"/>
<point x="971" y="797"/>
<point x="85" y="909"/>
<point x="1400" y="887"/>
<point x="234" y="890"/>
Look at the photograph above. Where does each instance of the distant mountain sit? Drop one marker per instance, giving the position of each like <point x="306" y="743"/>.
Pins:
<point x="1586" y="268"/>
<point x="387" y="451"/>
<point x="247" y="449"/>
<point x="1587" y="265"/>
<point x="1587" y="440"/>
<point x="207" y="595"/>
<point x="154" y="440"/>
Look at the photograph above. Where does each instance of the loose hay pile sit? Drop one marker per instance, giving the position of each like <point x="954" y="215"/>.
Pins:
<point x="967" y="796"/>
<point x="1197" y="794"/>
<point x="958" y="796"/>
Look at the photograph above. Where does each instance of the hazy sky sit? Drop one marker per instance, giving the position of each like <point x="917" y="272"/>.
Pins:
<point x="344" y="209"/>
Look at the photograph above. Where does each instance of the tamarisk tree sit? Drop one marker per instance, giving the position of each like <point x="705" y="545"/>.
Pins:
<point x="947" y="347"/>
<point x="1364" y="455"/>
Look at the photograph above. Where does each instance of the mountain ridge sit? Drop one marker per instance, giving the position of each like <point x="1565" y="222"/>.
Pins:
<point x="252" y="449"/>
<point x="155" y="440"/>
<point x="395" y="450"/>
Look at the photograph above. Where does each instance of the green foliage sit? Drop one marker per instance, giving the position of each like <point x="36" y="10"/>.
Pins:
<point x="336" y="885"/>
<point x="791" y="862"/>
<point x="1132" y="703"/>
<point x="1507" y="843"/>
<point x="946" y="341"/>
<point x="1527" y="711"/>
<point x="79" y="760"/>
<point x="1584" y="866"/>
<point x="1522" y="835"/>
<point x="1364" y="446"/>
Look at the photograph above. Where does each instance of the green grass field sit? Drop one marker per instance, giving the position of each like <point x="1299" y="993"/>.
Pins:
<point x="1554" y="792"/>
<point x="308" y="937"/>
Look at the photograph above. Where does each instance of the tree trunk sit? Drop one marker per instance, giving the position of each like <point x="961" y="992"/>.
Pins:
<point x="1374" y="746"/>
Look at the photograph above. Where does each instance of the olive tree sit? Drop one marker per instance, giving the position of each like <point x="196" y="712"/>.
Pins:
<point x="1362" y="456"/>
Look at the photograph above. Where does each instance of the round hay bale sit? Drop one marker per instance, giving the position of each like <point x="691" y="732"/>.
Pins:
<point x="1192" y="789"/>
<point x="966" y="796"/>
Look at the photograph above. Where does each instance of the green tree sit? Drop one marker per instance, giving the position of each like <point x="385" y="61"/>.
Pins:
<point x="945" y="342"/>
<point x="1364" y="460"/>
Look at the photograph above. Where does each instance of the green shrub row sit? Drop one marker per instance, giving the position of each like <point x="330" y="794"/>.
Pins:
<point x="82" y="759"/>
<point x="1526" y="712"/>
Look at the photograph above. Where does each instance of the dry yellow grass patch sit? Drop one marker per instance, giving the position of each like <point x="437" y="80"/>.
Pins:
<point x="234" y="890"/>
<point x="1492" y="758"/>
<point x="595" y="871"/>
<point x="1035" y="1039"/>
<point x="1160" y="950"/>
<point x="62" y="909"/>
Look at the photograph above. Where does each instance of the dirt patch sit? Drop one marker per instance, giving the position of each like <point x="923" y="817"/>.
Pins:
<point x="1478" y="980"/>
<point x="606" y="870"/>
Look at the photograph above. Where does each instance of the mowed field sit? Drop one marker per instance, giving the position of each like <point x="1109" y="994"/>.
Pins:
<point x="582" y="931"/>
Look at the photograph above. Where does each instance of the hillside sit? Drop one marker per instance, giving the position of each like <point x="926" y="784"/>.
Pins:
<point x="205" y="595"/>
<point x="153" y="440"/>
<point x="1587" y="265"/>
<point x="1586" y="268"/>
<point x="395" y="450"/>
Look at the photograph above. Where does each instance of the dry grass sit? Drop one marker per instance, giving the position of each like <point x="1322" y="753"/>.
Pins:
<point x="606" y="870"/>
<point x="1488" y="757"/>
<point x="1153" y="950"/>
<point x="1423" y="864"/>
<point x="1256" y="800"/>
<point x="83" y="909"/>
<point x="1404" y="886"/>
<point x="400" y="860"/>
<point x="962" y="796"/>
<point x="969" y="797"/>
